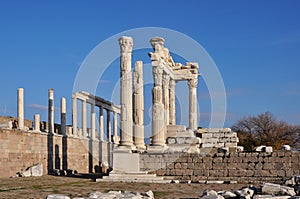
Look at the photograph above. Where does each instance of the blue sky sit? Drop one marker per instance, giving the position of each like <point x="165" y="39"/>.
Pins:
<point x="255" y="44"/>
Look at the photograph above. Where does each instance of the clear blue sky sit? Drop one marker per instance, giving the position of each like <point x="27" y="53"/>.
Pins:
<point x="255" y="44"/>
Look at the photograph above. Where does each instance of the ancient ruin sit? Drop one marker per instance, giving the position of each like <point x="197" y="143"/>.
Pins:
<point x="183" y="153"/>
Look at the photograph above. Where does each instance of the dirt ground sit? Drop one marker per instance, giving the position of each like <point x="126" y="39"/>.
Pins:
<point x="40" y="187"/>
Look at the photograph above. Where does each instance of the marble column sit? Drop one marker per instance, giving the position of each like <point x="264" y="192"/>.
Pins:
<point x="108" y="126"/>
<point x="37" y="122"/>
<point x="193" y="103"/>
<point x="166" y="101"/>
<point x="84" y="126"/>
<point x="101" y="124"/>
<point x="116" y="138"/>
<point x="63" y="111"/>
<point x="51" y="111"/>
<point x="158" y="121"/>
<point x="93" y="122"/>
<point x="172" y="110"/>
<point x="74" y="115"/>
<point x="126" y="125"/>
<point x="21" y="108"/>
<point x="138" y="115"/>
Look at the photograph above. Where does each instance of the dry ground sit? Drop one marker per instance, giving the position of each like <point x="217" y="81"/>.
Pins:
<point x="40" y="187"/>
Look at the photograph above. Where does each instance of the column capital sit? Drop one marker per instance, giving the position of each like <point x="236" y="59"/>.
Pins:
<point x="126" y="44"/>
<point x="193" y="83"/>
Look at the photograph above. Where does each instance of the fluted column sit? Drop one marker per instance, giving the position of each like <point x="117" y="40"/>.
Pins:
<point x="93" y="122"/>
<point x="138" y="115"/>
<point x="84" y="126"/>
<point x="63" y="111"/>
<point x="193" y="103"/>
<point x="74" y="115"/>
<point x="21" y="108"/>
<point x="126" y="44"/>
<point x="172" y="110"/>
<point x="101" y="124"/>
<point x="37" y="122"/>
<point x="51" y="111"/>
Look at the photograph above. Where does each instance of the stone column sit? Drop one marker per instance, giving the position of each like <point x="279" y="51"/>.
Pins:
<point x="108" y="126"/>
<point x="84" y="127"/>
<point x="51" y="111"/>
<point x="172" y="111"/>
<point x="166" y="101"/>
<point x="74" y="115"/>
<point x="101" y="124"/>
<point x="93" y="122"/>
<point x="37" y="122"/>
<point x="63" y="111"/>
<point x="126" y="44"/>
<point x="116" y="138"/>
<point x="21" y="108"/>
<point x="193" y="103"/>
<point x="138" y="115"/>
<point x="158" y="122"/>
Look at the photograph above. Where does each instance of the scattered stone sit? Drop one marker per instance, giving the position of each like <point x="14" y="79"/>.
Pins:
<point x="214" y="182"/>
<point x="295" y="180"/>
<point x="95" y="194"/>
<point x="268" y="149"/>
<point x="227" y="194"/>
<point x="57" y="196"/>
<point x="259" y="148"/>
<point x="175" y="181"/>
<point x="276" y="189"/>
<point x="285" y="148"/>
<point x="239" y="148"/>
<point x="211" y="194"/>
<point x="35" y="170"/>
<point x="245" y="193"/>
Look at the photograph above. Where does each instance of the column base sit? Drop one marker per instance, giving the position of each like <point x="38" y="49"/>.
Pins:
<point x="124" y="149"/>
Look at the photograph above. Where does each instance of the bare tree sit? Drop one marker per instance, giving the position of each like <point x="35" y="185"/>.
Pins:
<point x="264" y="129"/>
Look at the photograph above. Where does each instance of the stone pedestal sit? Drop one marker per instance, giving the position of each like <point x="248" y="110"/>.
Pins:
<point x="126" y="124"/>
<point x="126" y="162"/>
<point x="21" y="108"/>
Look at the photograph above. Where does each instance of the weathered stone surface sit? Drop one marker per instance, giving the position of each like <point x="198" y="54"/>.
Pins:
<point x="295" y="180"/>
<point x="276" y="189"/>
<point x="35" y="170"/>
<point x="270" y="197"/>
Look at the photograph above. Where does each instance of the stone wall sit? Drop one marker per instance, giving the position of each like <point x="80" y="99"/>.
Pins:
<point x="20" y="150"/>
<point x="235" y="166"/>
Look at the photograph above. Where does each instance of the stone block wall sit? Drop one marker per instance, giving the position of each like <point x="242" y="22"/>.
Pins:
<point x="238" y="166"/>
<point x="217" y="137"/>
<point x="20" y="149"/>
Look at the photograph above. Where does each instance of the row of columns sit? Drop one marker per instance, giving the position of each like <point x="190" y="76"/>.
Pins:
<point x="84" y="132"/>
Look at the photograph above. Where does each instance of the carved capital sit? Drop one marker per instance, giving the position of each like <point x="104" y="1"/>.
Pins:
<point x="126" y="44"/>
<point x="193" y="83"/>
